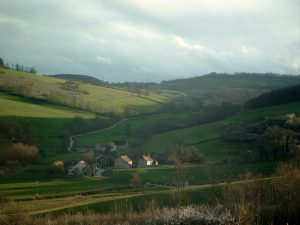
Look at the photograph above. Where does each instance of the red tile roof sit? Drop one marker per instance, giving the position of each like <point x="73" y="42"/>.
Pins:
<point x="147" y="158"/>
<point x="125" y="158"/>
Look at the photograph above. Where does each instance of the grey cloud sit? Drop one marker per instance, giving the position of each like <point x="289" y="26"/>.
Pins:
<point x="120" y="41"/>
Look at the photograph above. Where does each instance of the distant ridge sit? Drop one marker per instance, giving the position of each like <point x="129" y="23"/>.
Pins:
<point x="79" y="77"/>
<point x="264" y="81"/>
<point x="276" y="97"/>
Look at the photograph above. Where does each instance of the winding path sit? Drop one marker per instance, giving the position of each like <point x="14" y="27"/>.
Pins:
<point x="71" y="138"/>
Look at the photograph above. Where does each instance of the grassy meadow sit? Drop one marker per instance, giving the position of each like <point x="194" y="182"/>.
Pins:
<point x="47" y="121"/>
<point x="12" y="105"/>
<point x="205" y="137"/>
<point x="98" y="99"/>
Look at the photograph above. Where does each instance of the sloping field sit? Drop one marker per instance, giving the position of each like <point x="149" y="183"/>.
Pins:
<point x="17" y="106"/>
<point x="206" y="137"/>
<point x="81" y="95"/>
<point x="47" y="121"/>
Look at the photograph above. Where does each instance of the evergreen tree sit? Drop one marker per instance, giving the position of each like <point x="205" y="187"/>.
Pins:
<point x="2" y="63"/>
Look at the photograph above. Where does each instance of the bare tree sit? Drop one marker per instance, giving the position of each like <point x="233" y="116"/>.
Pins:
<point x="177" y="157"/>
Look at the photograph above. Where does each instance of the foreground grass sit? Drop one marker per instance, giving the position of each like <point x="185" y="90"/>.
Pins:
<point x="28" y="183"/>
<point x="196" y="174"/>
<point x="14" y="188"/>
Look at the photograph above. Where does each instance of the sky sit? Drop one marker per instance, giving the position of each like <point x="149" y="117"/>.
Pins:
<point x="142" y="40"/>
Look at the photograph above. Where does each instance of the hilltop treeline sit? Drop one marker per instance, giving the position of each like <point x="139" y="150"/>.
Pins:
<point x="212" y="81"/>
<point x="17" y="67"/>
<point x="277" y="97"/>
<point x="81" y="78"/>
<point x="217" y="88"/>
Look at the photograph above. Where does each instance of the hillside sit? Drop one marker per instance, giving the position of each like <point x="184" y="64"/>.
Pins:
<point x="81" y="78"/>
<point x="205" y="137"/>
<point x="276" y="97"/>
<point x="12" y="105"/>
<point x="45" y="120"/>
<point x="89" y="97"/>
<point x="235" y="88"/>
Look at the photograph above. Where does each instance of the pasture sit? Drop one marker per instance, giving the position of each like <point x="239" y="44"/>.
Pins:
<point x="98" y="99"/>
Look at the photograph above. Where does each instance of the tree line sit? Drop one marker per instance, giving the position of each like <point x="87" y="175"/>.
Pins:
<point x="277" y="97"/>
<point x="17" y="67"/>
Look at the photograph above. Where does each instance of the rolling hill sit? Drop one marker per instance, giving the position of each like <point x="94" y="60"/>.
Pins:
<point x="276" y="97"/>
<point x="205" y="137"/>
<point x="216" y="88"/>
<point x="94" y="98"/>
<point x="81" y="78"/>
<point x="47" y="121"/>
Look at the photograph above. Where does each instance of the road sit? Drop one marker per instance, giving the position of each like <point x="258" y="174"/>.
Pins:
<point x="71" y="138"/>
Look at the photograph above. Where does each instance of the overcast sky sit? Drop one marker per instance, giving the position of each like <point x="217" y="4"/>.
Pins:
<point x="143" y="40"/>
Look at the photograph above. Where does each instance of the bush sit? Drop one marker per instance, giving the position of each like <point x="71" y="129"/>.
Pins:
<point x="56" y="169"/>
<point x="21" y="153"/>
<point x="192" y="215"/>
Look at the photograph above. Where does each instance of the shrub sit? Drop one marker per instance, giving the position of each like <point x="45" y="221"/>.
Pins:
<point x="21" y="153"/>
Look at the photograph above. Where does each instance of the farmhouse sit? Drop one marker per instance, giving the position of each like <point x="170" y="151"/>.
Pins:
<point x="104" y="160"/>
<point x="146" y="161"/>
<point x="123" y="162"/>
<point x="81" y="168"/>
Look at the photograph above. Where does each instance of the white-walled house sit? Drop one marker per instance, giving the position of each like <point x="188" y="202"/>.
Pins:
<point x="123" y="162"/>
<point x="145" y="161"/>
<point x="80" y="168"/>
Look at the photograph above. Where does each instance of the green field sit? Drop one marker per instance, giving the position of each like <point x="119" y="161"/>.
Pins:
<point x="205" y="137"/>
<point x="47" y="121"/>
<point x="119" y="132"/>
<point x="18" y="189"/>
<point x="101" y="193"/>
<point x="95" y="98"/>
<point x="17" y="106"/>
<point x="196" y="174"/>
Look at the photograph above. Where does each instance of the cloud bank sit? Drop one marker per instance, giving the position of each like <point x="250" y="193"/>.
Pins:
<point x="133" y="40"/>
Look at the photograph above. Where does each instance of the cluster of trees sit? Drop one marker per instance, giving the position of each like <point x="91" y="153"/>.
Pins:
<point x="17" y="67"/>
<point x="2" y="64"/>
<point x="274" y="138"/>
<point x="67" y="99"/>
<point x="276" y="143"/>
<point x="20" y="153"/>
<point x="281" y="96"/>
<point x="16" y="129"/>
<point x="180" y="153"/>
<point x="82" y="78"/>
<point x="71" y="86"/>
<point x="23" y="89"/>
<point x="56" y="169"/>
<point x="265" y="201"/>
